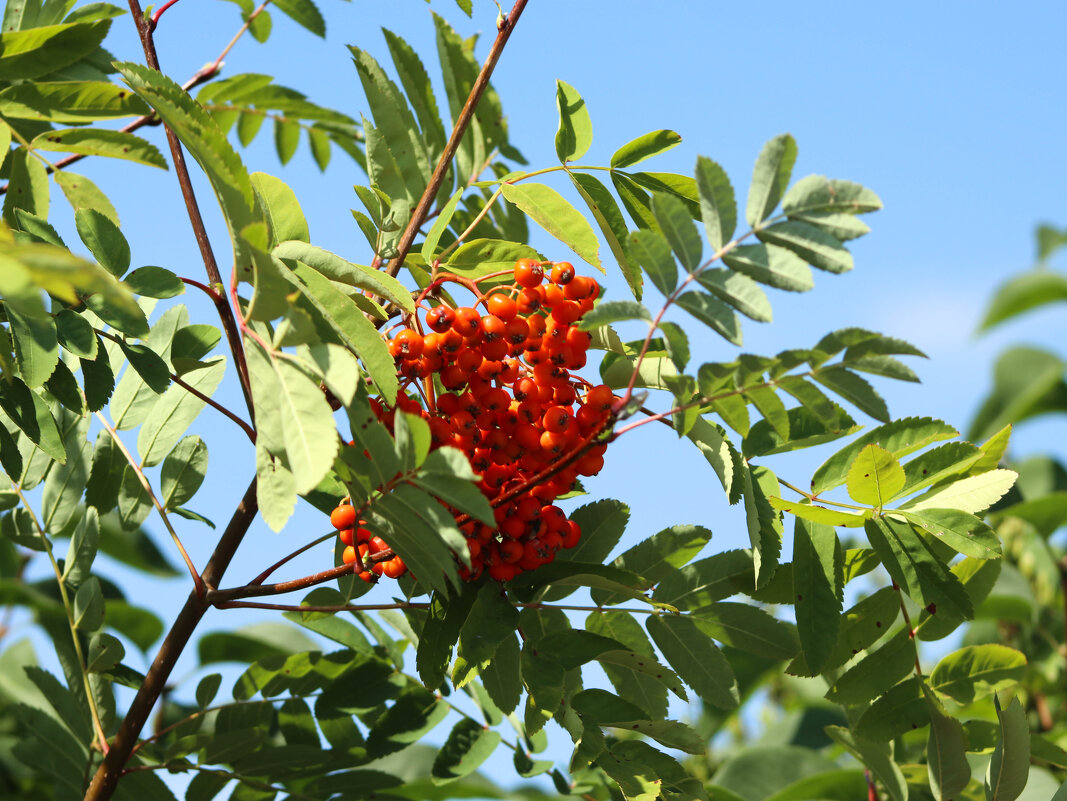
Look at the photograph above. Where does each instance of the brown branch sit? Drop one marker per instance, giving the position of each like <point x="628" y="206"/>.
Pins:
<point x="215" y="405"/>
<point x="422" y="209"/>
<point x="110" y="771"/>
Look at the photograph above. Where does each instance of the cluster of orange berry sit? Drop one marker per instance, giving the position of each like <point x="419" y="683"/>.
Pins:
<point x="510" y="402"/>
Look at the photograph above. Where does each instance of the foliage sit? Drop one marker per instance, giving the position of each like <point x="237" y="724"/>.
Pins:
<point x="905" y="534"/>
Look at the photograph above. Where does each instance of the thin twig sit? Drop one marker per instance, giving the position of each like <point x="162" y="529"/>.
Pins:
<point x="197" y="581"/>
<point x="65" y="597"/>
<point x="249" y="431"/>
<point x="505" y="26"/>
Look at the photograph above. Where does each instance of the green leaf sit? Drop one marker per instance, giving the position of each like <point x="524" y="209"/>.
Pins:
<point x="875" y="476"/>
<point x="337" y="269"/>
<point x="501" y="677"/>
<point x="961" y="531"/>
<point x="281" y="209"/>
<point x="770" y="265"/>
<point x="711" y="441"/>
<point x="36" y="346"/>
<point x="718" y="208"/>
<point x="877" y="756"/>
<point x="76" y="334"/>
<point x="147" y="364"/>
<point x="900" y="710"/>
<point x="855" y="390"/>
<point x="764" y="525"/>
<point x="739" y="291"/>
<point x="614" y="311"/>
<point x="27" y="185"/>
<point x="69" y="101"/>
<point x="30" y="414"/>
<point x="82" y="193"/>
<point x="676" y="225"/>
<point x="696" y="659"/>
<point x="713" y="313"/>
<point x="65" y="483"/>
<point x="972" y="494"/>
<point x="440" y="225"/>
<point x="864" y="624"/>
<point x="704" y="582"/>
<point x="644" y="147"/>
<point x="651" y="250"/>
<point x="770" y="177"/>
<point x="817" y="514"/>
<point x="38" y="51"/>
<point x="468" y="745"/>
<point x="575" y="133"/>
<point x="900" y="438"/>
<point x="818" y="580"/>
<point x="875" y="673"/>
<point x="817" y="193"/>
<point x="748" y="628"/>
<point x="104" y="240"/>
<point x="304" y="13"/>
<point x="655" y="557"/>
<point x="976" y="671"/>
<point x="916" y="569"/>
<point x="183" y="471"/>
<point x="492" y="619"/>
<point x="101" y="142"/>
<point x="82" y="550"/>
<point x="817" y="247"/>
<point x="308" y="429"/>
<point x="603" y="523"/>
<point x="88" y="612"/>
<point x="351" y="327"/>
<point x="105" y="652"/>
<point x="154" y="282"/>
<point x="138" y="625"/>
<point x="946" y="757"/>
<point x="1023" y="293"/>
<point x="480" y="257"/>
<point x="1009" y="767"/>
<point x="551" y="211"/>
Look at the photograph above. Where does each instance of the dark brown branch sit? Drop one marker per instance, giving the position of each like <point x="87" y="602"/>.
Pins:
<point x="109" y="772"/>
<point x="422" y="209"/>
<point x="226" y="313"/>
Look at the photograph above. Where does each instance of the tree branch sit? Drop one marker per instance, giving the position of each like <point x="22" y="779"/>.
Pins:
<point x="422" y="209"/>
<point x="110" y="771"/>
<point x="226" y="314"/>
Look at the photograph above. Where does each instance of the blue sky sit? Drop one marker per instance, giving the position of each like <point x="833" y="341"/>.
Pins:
<point x="953" y="112"/>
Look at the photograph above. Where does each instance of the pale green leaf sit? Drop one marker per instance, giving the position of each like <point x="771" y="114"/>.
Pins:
<point x="976" y="671"/>
<point x="101" y="142"/>
<point x="973" y="494"/>
<point x="1009" y="767"/>
<point x="875" y="476"/>
<point x="718" y="208"/>
<point x="770" y="265"/>
<point x="770" y="177"/>
<point x="575" y="132"/>
<point x="557" y="216"/>
<point x="643" y="147"/>
<point x="817" y="247"/>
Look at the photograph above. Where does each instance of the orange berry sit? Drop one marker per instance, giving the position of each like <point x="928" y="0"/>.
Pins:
<point x="343" y="517"/>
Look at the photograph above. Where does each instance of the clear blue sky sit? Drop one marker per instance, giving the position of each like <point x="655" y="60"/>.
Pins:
<point x="953" y="112"/>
